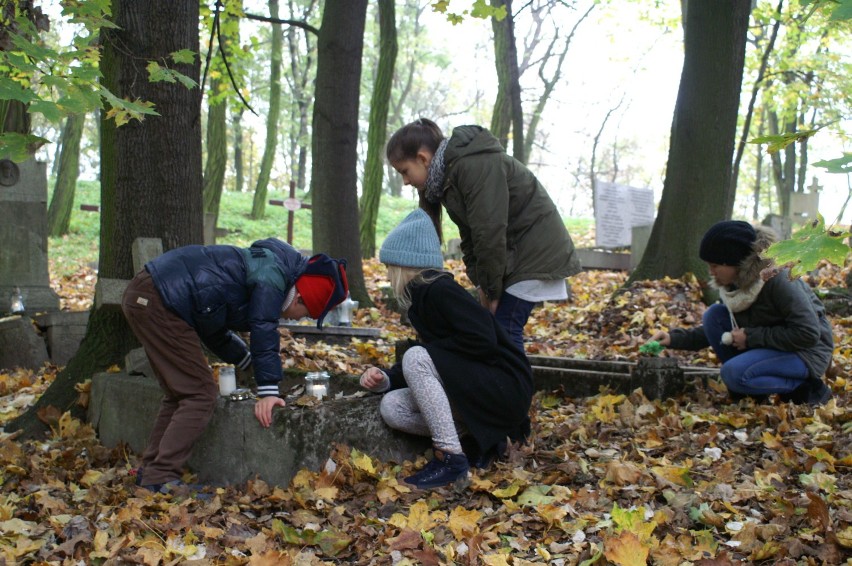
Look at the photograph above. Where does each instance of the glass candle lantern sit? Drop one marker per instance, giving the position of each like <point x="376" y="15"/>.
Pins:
<point x="316" y="384"/>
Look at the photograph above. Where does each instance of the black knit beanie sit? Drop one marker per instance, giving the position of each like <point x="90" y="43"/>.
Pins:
<point x="727" y="243"/>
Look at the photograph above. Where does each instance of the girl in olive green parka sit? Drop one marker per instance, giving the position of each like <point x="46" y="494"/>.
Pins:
<point x="514" y="244"/>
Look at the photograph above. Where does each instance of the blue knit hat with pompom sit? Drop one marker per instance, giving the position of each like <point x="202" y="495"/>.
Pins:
<point x="413" y="243"/>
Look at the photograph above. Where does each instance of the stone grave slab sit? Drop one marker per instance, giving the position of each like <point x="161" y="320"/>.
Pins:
<point x="340" y="335"/>
<point x="23" y="236"/>
<point x="64" y="331"/>
<point x="235" y="448"/>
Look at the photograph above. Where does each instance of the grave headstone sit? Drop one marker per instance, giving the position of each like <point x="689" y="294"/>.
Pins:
<point x="20" y="344"/>
<point x="64" y="330"/>
<point x="453" y="249"/>
<point x="23" y="236"/>
<point x="618" y="208"/>
<point x="783" y="226"/>
<point x="638" y="243"/>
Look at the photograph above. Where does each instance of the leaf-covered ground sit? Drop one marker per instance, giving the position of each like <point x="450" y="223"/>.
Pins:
<point x="609" y="479"/>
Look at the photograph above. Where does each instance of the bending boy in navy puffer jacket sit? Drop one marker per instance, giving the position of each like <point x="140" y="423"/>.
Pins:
<point x="206" y="294"/>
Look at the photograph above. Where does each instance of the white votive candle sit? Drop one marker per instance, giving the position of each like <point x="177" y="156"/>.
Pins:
<point x="227" y="381"/>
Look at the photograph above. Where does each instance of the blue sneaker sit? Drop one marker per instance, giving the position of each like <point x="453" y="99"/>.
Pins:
<point x="179" y="487"/>
<point x="444" y="469"/>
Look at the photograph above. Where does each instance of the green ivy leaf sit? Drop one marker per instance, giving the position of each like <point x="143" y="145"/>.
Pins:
<point x="808" y="246"/>
<point x="183" y="56"/>
<point x="332" y="542"/>
<point x="287" y="533"/>
<point x="839" y="165"/>
<point x="777" y="143"/>
<point x="19" y="147"/>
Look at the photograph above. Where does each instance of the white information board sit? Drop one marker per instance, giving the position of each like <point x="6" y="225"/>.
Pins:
<point x="618" y="208"/>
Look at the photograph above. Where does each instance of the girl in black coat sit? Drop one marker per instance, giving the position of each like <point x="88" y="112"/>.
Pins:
<point x="465" y="373"/>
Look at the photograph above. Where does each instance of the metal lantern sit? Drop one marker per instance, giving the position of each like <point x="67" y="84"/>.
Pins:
<point x="345" y="310"/>
<point x="16" y="303"/>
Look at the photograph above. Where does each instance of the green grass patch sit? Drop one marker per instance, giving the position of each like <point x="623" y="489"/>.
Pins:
<point x="80" y="245"/>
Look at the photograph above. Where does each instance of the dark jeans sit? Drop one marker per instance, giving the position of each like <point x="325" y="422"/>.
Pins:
<point x="512" y="314"/>
<point x="761" y="371"/>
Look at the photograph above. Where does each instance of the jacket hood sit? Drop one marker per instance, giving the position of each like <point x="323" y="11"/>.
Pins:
<point x="288" y="258"/>
<point x="469" y="140"/>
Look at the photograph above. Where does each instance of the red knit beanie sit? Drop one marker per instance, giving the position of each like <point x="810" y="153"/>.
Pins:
<point x="323" y="285"/>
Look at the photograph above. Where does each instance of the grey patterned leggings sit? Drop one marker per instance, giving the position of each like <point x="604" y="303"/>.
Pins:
<point x="423" y="407"/>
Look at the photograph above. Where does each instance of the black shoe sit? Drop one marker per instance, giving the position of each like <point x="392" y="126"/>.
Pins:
<point x="811" y="392"/>
<point x="485" y="459"/>
<point x="444" y="469"/>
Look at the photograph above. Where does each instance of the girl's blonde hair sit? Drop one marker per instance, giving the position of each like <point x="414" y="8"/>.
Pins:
<point x="400" y="277"/>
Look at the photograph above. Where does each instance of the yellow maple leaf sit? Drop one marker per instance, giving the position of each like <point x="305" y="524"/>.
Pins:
<point x="821" y="455"/>
<point x="552" y="514"/>
<point x="362" y="462"/>
<point x="213" y="533"/>
<point x="510" y="490"/>
<point x="674" y="474"/>
<point x="328" y="493"/>
<point x="603" y="407"/>
<point x="68" y="426"/>
<point x="626" y="550"/>
<point x="771" y="441"/>
<point x="495" y="559"/>
<point x="100" y="545"/>
<point x="91" y="477"/>
<point x="464" y="523"/>
<point x="419" y="518"/>
<point x="302" y="478"/>
<point x="844" y="537"/>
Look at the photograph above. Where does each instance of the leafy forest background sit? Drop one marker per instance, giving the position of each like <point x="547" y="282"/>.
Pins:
<point x="162" y="93"/>
<point x="165" y="114"/>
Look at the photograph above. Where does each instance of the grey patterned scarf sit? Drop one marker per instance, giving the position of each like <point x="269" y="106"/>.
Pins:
<point x="435" y="176"/>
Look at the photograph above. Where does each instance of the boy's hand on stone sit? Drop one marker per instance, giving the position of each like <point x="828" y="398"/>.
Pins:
<point x="263" y="409"/>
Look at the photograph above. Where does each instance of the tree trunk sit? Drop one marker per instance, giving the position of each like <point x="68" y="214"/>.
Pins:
<point x="237" y="121"/>
<point x="508" y="112"/>
<point x="334" y="178"/>
<point x="302" y="59"/>
<point x="62" y="201"/>
<point x="377" y="134"/>
<point x="217" y="152"/>
<point x="258" y="209"/>
<point x="697" y="188"/>
<point x="150" y="182"/>
<point x="783" y="169"/>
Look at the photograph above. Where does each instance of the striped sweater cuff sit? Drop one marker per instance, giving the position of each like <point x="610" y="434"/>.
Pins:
<point x="268" y="390"/>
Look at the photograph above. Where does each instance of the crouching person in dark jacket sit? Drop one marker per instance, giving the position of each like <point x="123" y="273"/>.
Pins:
<point x="464" y="374"/>
<point x="203" y="294"/>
